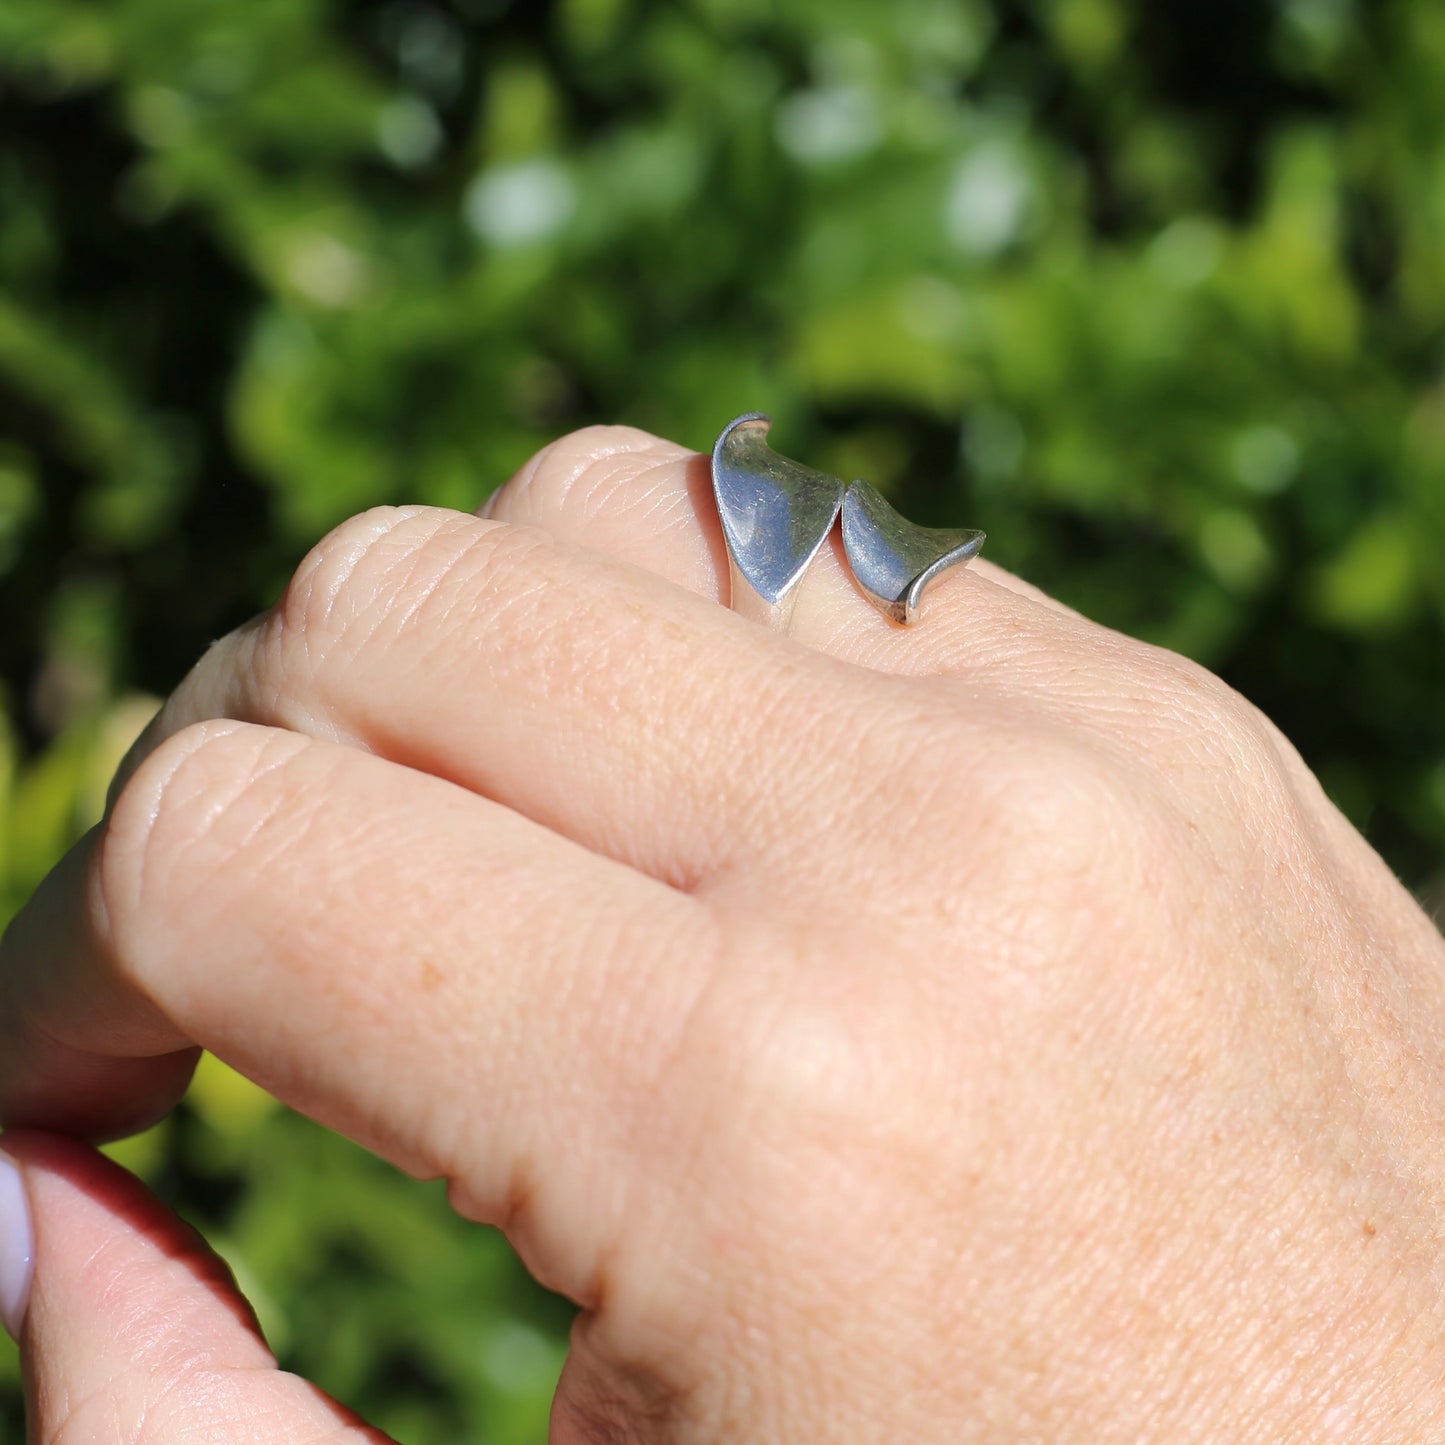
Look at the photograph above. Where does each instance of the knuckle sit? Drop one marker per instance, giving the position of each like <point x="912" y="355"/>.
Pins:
<point x="822" y="1064"/>
<point x="1033" y="787"/>
<point x="835" y="1083"/>
<point x="1228" y="747"/>
<point x="974" y="816"/>
<point x="385" y="575"/>
<point x="582" y="473"/>
<point x="1184" y="699"/>
<point x="1039" y="833"/>
<point x="355" y="571"/>
<point x="392" y="597"/>
<point x="1069" y="814"/>
<point x="172" y="829"/>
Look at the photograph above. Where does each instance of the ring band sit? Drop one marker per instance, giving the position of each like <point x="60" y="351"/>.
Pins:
<point x="776" y="514"/>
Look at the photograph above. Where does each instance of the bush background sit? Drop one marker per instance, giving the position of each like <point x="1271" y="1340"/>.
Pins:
<point x="1155" y="294"/>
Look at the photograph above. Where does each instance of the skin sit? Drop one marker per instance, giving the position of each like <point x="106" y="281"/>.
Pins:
<point x="987" y="1031"/>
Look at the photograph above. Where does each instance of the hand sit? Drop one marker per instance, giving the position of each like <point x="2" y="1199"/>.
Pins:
<point x="985" y="1031"/>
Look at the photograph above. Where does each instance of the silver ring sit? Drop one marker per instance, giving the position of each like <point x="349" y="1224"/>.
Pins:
<point x="776" y="513"/>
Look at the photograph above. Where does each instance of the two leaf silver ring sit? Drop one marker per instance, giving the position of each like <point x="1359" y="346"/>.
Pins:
<point x="777" y="513"/>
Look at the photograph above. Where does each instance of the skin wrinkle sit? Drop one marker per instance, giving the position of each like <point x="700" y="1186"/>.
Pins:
<point x="660" y="506"/>
<point x="815" y="701"/>
<point x="681" y="1152"/>
<point x="639" y="1076"/>
<point x="147" y="801"/>
<point x="136" y="896"/>
<point x="606" y="489"/>
<point x="585" y="650"/>
<point x="462" y="587"/>
<point x="104" y="1399"/>
<point x="280" y="820"/>
<point x="446" y="552"/>
<point x="554" y="469"/>
<point x="283" y="643"/>
<point x="253" y="1398"/>
<point x="327" y="575"/>
<point x="104" y="1393"/>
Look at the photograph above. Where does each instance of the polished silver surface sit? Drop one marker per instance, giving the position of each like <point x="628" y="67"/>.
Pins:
<point x="776" y="513"/>
<point x="895" y="559"/>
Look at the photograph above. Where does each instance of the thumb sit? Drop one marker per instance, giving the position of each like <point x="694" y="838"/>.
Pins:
<point x="130" y="1327"/>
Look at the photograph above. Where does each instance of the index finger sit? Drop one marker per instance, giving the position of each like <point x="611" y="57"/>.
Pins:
<point x="446" y="982"/>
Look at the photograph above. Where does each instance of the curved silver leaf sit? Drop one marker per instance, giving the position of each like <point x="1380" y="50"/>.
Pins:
<point x="775" y="512"/>
<point x="895" y="559"/>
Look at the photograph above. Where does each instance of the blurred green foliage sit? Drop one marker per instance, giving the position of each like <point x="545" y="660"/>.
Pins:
<point x="1155" y="294"/>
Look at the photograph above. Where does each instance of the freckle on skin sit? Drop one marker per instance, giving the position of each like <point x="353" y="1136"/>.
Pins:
<point x="431" y="976"/>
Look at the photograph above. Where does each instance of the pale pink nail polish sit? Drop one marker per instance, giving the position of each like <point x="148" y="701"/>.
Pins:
<point x="17" y="1247"/>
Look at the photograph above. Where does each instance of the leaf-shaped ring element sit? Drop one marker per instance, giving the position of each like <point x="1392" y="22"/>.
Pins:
<point x="776" y="513"/>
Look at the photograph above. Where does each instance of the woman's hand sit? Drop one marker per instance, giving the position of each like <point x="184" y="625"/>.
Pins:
<point x="984" y="1031"/>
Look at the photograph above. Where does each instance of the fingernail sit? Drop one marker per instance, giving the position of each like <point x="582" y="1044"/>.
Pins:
<point x="17" y="1247"/>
